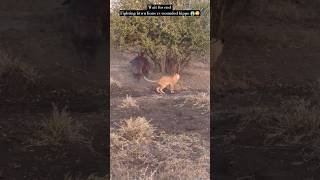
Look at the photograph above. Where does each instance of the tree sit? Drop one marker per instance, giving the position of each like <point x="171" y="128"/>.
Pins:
<point x="168" y="40"/>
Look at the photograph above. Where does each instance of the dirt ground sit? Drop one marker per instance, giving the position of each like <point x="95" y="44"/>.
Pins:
<point x="271" y="54"/>
<point x="169" y="112"/>
<point x="36" y="34"/>
<point x="183" y="113"/>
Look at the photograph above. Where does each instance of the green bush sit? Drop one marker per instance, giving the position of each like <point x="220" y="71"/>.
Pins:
<point x="168" y="41"/>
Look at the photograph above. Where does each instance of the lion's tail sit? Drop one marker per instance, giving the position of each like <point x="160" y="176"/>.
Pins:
<point x="149" y="79"/>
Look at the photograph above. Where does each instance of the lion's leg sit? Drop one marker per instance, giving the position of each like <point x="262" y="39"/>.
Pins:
<point x="161" y="89"/>
<point x="171" y="88"/>
<point x="158" y="90"/>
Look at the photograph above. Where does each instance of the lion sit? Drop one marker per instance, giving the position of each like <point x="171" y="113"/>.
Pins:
<point x="164" y="82"/>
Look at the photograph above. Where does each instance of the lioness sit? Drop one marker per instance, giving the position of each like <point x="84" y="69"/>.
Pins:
<point x="165" y="81"/>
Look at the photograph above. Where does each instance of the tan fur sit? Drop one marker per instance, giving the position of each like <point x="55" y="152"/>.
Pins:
<point x="164" y="82"/>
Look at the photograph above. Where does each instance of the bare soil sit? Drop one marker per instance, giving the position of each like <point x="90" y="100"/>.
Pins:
<point x="169" y="113"/>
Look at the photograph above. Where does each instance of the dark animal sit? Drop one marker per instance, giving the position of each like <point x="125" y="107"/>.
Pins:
<point x="140" y="66"/>
<point x="87" y="24"/>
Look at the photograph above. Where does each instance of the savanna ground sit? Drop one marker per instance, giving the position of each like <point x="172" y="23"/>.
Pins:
<point x="159" y="136"/>
<point x="39" y="66"/>
<point x="266" y="103"/>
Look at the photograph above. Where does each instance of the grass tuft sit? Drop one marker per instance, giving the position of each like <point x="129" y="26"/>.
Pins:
<point x="200" y="100"/>
<point x="139" y="152"/>
<point x="60" y="129"/>
<point x="295" y="122"/>
<point x="136" y="129"/>
<point x="12" y="67"/>
<point x="128" y="102"/>
<point x="14" y="73"/>
<point x="115" y="83"/>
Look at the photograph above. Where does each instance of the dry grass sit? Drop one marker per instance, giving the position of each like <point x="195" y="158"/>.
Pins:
<point x="115" y="83"/>
<point x="13" y="74"/>
<point x="200" y="100"/>
<point x="128" y="102"/>
<point x="90" y="177"/>
<point x="12" y="67"/>
<point x="60" y="129"/>
<point x="295" y="122"/>
<point x="313" y="152"/>
<point x="138" y="152"/>
<point x="136" y="129"/>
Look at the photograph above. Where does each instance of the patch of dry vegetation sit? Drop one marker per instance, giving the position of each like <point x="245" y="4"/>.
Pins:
<point x="90" y="177"/>
<point x="139" y="152"/>
<point x="295" y="122"/>
<point x="14" y="73"/>
<point x="9" y="66"/>
<point x="60" y="129"/>
<point x="128" y="102"/>
<point x="200" y="100"/>
<point x="115" y="83"/>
